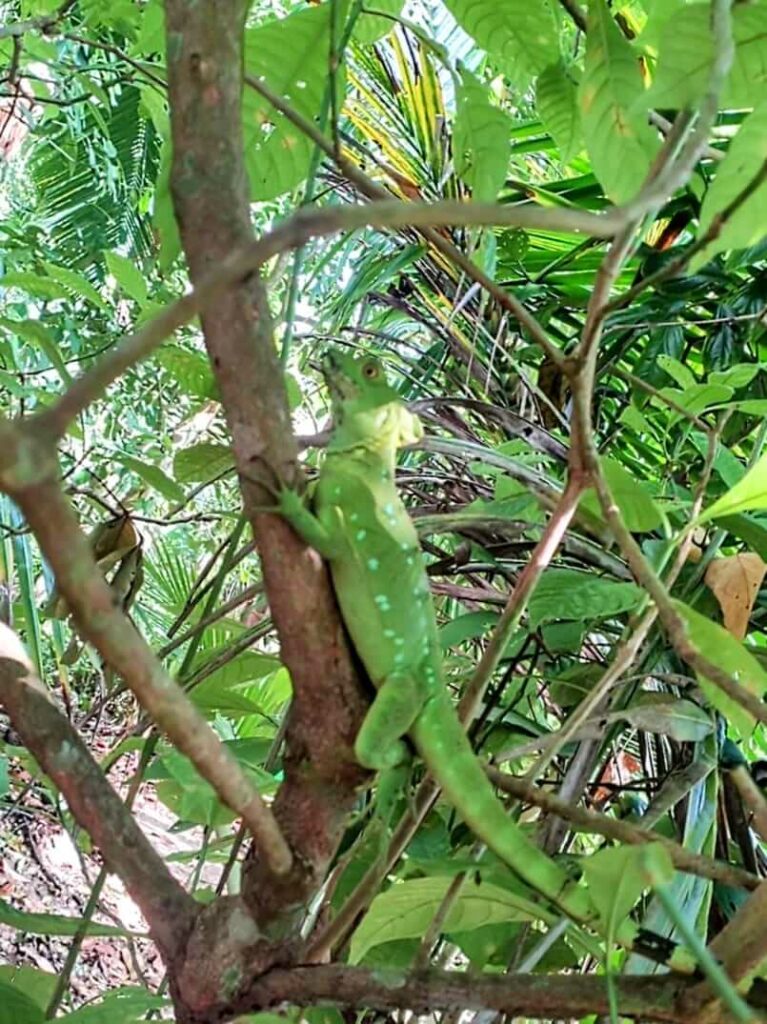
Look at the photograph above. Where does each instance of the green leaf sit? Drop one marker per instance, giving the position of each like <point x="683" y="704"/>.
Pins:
<point x="5" y="782"/>
<point x="75" y="283"/>
<point x="616" y="880"/>
<point x="686" y="54"/>
<point x="202" y="462"/>
<point x="699" y="397"/>
<point x="481" y="140"/>
<point x="163" y="217"/>
<point x="122" y="15"/>
<point x="128" y="276"/>
<point x="747" y="529"/>
<point x="639" y="512"/>
<point x="665" y="714"/>
<point x="291" y="56"/>
<point x="221" y="691"/>
<point x="635" y="419"/>
<point x="151" y="37"/>
<point x="723" y="650"/>
<point x="683" y="376"/>
<point x="406" y="909"/>
<point x="122" y="1006"/>
<point x="620" y="143"/>
<point x="514" y="32"/>
<point x="248" y="667"/>
<point x="466" y="627"/>
<point x="753" y="406"/>
<point x="556" y="99"/>
<point x="730" y="469"/>
<point x="749" y="494"/>
<point x="36" y="332"/>
<point x="191" y="370"/>
<point x="33" y="284"/>
<point x="38" y="985"/>
<point x="372" y="275"/>
<point x="17" y="1008"/>
<point x="656" y="863"/>
<point x="748" y="224"/>
<point x="53" y="924"/>
<point x="563" y="637"/>
<point x="153" y="476"/>
<point x="187" y="794"/>
<point x="736" y="376"/>
<point x="369" y="28"/>
<point x="220" y="700"/>
<point x="34" y="8"/>
<point x="566" y="594"/>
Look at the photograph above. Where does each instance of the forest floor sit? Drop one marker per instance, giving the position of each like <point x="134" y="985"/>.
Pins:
<point x="43" y="871"/>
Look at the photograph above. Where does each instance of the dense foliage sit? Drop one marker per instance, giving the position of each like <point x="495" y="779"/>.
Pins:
<point x="592" y="695"/>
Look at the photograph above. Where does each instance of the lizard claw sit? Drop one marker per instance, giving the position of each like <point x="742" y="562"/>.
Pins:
<point x="275" y="487"/>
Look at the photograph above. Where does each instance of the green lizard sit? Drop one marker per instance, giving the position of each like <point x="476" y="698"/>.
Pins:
<point x="360" y="525"/>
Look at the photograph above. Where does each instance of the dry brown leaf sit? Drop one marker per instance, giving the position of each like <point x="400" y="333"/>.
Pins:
<point x="735" y="582"/>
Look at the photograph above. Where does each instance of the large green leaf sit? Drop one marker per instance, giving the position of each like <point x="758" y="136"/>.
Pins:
<point x="16" y="1007"/>
<point x="699" y="397"/>
<point x="481" y="140"/>
<point x="639" y="512"/>
<point x="748" y="495"/>
<point x="128" y="276"/>
<point x="122" y="1006"/>
<point x="291" y="56"/>
<point x="223" y="690"/>
<point x="748" y="224"/>
<point x="556" y="97"/>
<point x="53" y="924"/>
<point x="580" y="596"/>
<point x="615" y="882"/>
<point x="369" y="28"/>
<point x="38" y="985"/>
<point x="663" y="713"/>
<point x="154" y="476"/>
<point x="75" y="283"/>
<point x="687" y="50"/>
<point x="514" y="31"/>
<point x="37" y="333"/>
<point x="191" y="370"/>
<point x="724" y="650"/>
<point x="619" y="141"/>
<point x="202" y="462"/>
<point x="407" y="908"/>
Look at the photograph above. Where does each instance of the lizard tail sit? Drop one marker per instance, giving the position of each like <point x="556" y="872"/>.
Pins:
<point x="442" y="743"/>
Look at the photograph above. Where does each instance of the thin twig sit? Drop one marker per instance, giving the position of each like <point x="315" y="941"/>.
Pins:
<point x="295" y="231"/>
<point x="583" y="820"/>
<point x="676" y="173"/>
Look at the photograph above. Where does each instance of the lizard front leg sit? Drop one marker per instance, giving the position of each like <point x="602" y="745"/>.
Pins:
<point x="321" y="532"/>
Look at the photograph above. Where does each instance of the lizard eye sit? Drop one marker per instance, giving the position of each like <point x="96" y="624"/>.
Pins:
<point x="370" y="370"/>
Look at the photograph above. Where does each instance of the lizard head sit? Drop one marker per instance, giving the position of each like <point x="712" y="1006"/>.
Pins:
<point x="365" y="406"/>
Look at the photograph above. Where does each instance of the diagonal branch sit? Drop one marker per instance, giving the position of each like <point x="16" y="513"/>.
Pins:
<point x="61" y="753"/>
<point x="584" y="820"/>
<point x="675" y="173"/>
<point x="100" y="621"/>
<point x="672" y="621"/>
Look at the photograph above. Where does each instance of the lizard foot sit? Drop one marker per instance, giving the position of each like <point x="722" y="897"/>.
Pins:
<point x="395" y="754"/>
<point x="286" y="499"/>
